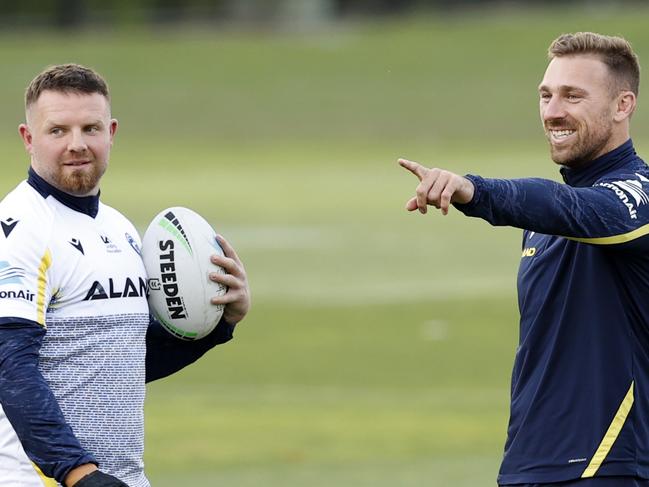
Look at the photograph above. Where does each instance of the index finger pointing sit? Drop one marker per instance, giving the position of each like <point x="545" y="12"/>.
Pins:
<point x="414" y="167"/>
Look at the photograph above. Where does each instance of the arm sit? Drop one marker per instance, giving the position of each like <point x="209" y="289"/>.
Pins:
<point x="596" y="214"/>
<point x="166" y="354"/>
<point x="30" y="406"/>
<point x="600" y="214"/>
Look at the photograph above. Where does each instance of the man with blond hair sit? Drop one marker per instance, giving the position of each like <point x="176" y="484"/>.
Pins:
<point x="74" y="362"/>
<point x="580" y="384"/>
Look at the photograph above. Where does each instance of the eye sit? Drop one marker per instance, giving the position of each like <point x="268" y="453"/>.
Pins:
<point x="573" y="98"/>
<point x="56" y="131"/>
<point x="92" y="129"/>
<point x="545" y="97"/>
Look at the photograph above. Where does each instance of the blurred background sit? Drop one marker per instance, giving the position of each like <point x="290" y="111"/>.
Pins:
<point x="379" y="348"/>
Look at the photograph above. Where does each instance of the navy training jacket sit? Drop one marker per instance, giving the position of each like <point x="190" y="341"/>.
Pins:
<point x="580" y="383"/>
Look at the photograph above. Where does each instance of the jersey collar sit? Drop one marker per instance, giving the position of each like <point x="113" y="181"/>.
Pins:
<point x="83" y="204"/>
<point x="591" y="172"/>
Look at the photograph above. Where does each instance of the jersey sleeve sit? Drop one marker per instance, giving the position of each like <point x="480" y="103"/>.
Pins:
<point x="30" y="406"/>
<point x="25" y="260"/>
<point x="25" y="291"/>
<point x="611" y="212"/>
<point x="166" y="354"/>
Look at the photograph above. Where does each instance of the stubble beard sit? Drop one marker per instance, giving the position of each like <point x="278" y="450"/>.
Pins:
<point x="589" y="144"/>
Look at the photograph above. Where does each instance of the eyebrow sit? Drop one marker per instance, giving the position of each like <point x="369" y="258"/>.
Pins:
<point x="50" y="122"/>
<point x="565" y="89"/>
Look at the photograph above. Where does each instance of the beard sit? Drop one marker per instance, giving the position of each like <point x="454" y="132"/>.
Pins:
<point x="591" y="141"/>
<point x="81" y="181"/>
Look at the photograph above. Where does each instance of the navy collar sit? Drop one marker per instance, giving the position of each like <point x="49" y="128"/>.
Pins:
<point x="592" y="171"/>
<point x="83" y="204"/>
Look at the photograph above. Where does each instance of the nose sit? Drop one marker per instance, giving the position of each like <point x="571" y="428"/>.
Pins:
<point x="77" y="142"/>
<point x="553" y="109"/>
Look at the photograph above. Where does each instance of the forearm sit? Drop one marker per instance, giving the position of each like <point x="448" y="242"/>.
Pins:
<point x="551" y="208"/>
<point x="166" y="354"/>
<point x="30" y="405"/>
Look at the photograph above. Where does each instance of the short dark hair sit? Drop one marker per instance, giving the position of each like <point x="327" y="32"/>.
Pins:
<point x="66" y="78"/>
<point x="615" y="52"/>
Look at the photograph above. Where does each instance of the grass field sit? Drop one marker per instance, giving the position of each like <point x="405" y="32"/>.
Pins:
<point x="379" y="347"/>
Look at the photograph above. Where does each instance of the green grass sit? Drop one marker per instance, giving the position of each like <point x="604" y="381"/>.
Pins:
<point x="379" y="347"/>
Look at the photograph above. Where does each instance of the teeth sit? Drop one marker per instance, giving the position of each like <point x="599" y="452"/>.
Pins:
<point x="559" y="134"/>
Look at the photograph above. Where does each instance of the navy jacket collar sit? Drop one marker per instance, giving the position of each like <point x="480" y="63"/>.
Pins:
<point x="591" y="172"/>
<point x="83" y="204"/>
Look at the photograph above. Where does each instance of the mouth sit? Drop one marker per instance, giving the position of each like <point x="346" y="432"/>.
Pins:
<point x="559" y="136"/>
<point x="77" y="163"/>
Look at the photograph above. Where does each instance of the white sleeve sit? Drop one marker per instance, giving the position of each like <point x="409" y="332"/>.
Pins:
<point x="25" y="260"/>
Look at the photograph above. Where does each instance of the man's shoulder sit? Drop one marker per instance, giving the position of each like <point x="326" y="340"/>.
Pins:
<point x="24" y="213"/>
<point x="115" y="217"/>
<point x="636" y="172"/>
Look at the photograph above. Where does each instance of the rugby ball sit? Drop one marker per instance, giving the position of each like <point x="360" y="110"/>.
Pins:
<point x="176" y="250"/>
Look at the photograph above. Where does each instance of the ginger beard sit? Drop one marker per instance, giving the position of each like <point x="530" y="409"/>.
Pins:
<point x="79" y="180"/>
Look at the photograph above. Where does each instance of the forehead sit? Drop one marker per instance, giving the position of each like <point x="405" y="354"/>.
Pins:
<point x="582" y="71"/>
<point x="56" y="105"/>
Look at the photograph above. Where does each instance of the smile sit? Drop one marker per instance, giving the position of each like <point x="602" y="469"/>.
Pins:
<point x="560" y="135"/>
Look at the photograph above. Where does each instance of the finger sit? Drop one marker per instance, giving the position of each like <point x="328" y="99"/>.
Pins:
<point x="227" y="298"/>
<point x="414" y="167"/>
<point x="227" y="280"/>
<point x="422" y="195"/>
<point x="411" y="205"/>
<point x="445" y="197"/>
<point x="228" y="250"/>
<point x="436" y="190"/>
<point x="424" y="188"/>
<point x="229" y="265"/>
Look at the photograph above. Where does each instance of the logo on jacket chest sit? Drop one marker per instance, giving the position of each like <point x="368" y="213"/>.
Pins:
<point x="529" y="252"/>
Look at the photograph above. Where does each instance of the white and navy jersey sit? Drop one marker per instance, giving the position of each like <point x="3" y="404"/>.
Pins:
<point x="580" y="384"/>
<point x="72" y="281"/>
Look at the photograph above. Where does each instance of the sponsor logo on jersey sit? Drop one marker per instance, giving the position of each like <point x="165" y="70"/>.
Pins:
<point x="115" y="289"/>
<point x="169" y="281"/>
<point x="110" y="246"/>
<point x="21" y="294"/>
<point x="13" y="275"/>
<point x="8" y="226"/>
<point x="10" y="274"/>
<point x="133" y="243"/>
<point x="529" y="252"/>
<point x="630" y="193"/>
<point x="76" y="243"/>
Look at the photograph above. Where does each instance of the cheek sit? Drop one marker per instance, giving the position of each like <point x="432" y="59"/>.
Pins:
<point x="45" y="150"/>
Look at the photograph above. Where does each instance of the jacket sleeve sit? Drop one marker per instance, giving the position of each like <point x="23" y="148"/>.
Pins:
<point x="166" y="354"/>
<point x="30" y="405"/>
<point x="608" y="213"/>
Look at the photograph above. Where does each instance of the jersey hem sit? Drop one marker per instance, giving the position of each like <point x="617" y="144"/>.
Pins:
<point x="572" y="474"/>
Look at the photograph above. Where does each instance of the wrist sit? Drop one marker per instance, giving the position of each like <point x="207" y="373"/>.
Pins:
<point x="77" y="473"/>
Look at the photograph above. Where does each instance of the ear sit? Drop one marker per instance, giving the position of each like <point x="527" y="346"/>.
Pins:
<point x="112" y="129"/>
<point x="625" y="106"/>
<point x="26" y="135"/>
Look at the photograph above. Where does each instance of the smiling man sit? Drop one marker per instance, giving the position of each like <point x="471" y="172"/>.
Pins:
<point x="580" y="385"/>
<point x="73" y="366"/>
